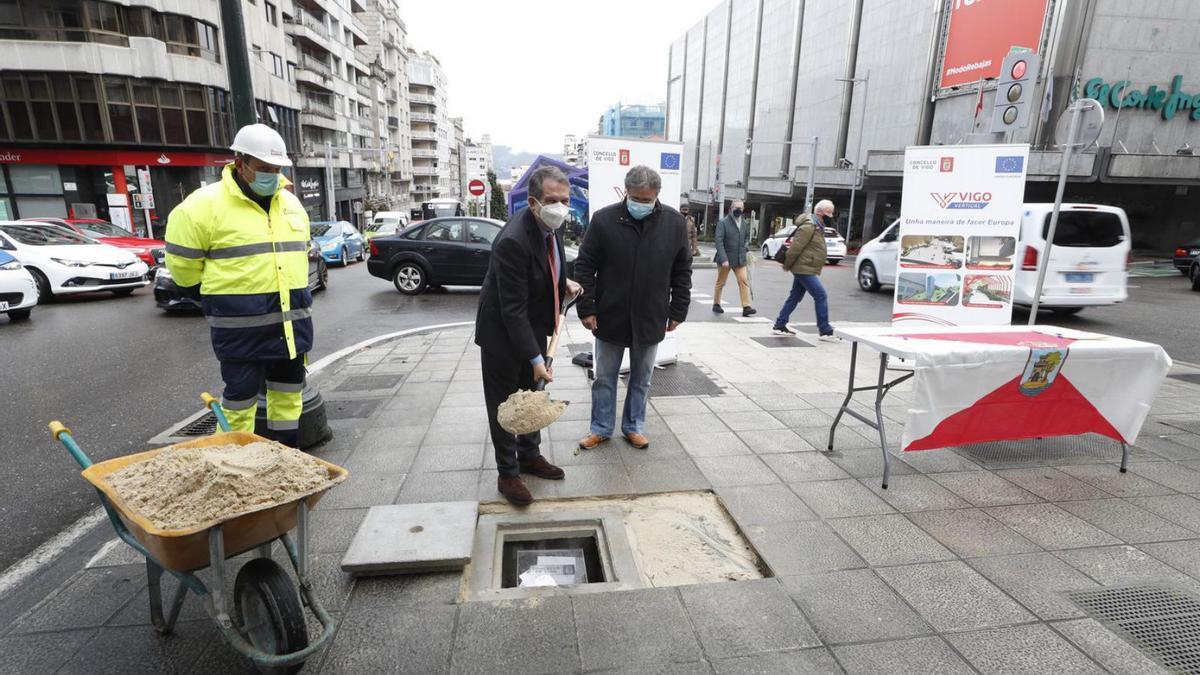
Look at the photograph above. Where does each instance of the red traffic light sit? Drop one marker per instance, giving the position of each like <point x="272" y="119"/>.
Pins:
<point x="1018" y="69"/>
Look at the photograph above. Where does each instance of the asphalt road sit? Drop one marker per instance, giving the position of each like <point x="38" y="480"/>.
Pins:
<point x="119" y="371"/>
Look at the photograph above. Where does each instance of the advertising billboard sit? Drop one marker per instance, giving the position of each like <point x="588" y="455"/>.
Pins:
<point x="959" y="225"/>
<point x="980" y="33"/>
<point x="611" y="157"/>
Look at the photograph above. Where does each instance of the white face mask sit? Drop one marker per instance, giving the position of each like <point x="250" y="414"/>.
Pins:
<point x="553" y="215"/>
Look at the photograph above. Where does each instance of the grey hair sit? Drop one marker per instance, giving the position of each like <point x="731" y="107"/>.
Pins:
<point x="823" y="205"/>
<point x="642" y="176"/>
<point x="543" y="174"/>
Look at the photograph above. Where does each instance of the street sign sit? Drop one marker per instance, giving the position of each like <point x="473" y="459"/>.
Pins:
<point x="1091" y="120"/>
<point x="476" y="187"/>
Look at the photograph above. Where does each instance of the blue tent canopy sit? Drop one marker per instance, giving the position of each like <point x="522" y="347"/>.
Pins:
<point x="518" y="197"/>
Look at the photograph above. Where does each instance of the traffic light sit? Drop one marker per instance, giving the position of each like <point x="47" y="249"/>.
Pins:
<point x="1014" y="91"/>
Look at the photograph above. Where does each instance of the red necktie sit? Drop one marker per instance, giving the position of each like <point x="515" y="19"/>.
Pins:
<point x="553" y="274"/>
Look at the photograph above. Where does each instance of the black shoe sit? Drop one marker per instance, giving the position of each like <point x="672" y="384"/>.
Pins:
<point x="717" y="309"/>
<point x="783" y="330"/>
<point x="827" y="337"/>
<point x="749" y="311"/>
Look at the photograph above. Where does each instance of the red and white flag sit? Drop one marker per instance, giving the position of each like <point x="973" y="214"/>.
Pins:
<point x="978" y="103"/>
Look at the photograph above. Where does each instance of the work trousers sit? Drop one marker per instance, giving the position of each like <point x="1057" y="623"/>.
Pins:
<point x="503" y="375"/>
<point x="742" y="280"/>
<point x="284" y="382"/>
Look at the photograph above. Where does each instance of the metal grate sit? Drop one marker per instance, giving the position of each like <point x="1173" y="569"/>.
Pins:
<point x="1193" y="378"/>
<point x="780" y="342"/>
<point x="1054" y="450"/>
<point x="1163" y="622"/>
<point x="204" y="425"/>
<point x="370" y="382"/>
<point x="683" y="379"/>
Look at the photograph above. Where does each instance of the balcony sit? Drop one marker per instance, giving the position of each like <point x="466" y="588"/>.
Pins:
<point x="364" y="89"/>
<point x="399" y="176"/>
<point x="393" y="122"/>
<point x="315" y="72"/>
<point x="391" y="94"/>
<point x="423" y="117"/>
<point x="422" y="98"/>
<point x="425" y="171"/>
<point x="423" y="152"/>
<point x="424" y="136"/>
<point x="308" y="29"/>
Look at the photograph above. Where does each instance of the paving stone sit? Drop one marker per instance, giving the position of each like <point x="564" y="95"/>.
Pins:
<point x="1051" y="527"/>
<point x="691" y="668"/>
<point x="40" y="652"/>
<point x="593" y="479"/>
<point x="741" y="618"/>
<point x="487" y="491"/>
<point x="1039" y="581"/>
<point x="533" y="635"/>
<point x="916" y="492"/>
<point x="1022" y="649"/>
<point x="1126" y="521"/>
<point x="809" y="417"/>
<point x="363" y="489"/>
<point x="563" y="453"/>
<point x="729" y="404"/>
<point x="854" y="606"/>
<point x="695" y="424"/>
<point x="662" y="447"/>
<point x="736" y="470"/>
<point x="1182" y="555"/>
<point x="393" y="640"/>
<point x="799" y="662"/>
<point x="971" y="532"/>
<point x="1107" y="478"/>
<point x="127" y="650"/>
<point x="889" y="539"/>
<point x="1051" y="484"/>
<point x="459" y="432"/>
<point x="331" y="531"/>
<point x="457" y="457"/>
<point x="780" y="401"/>
<point x="681" y="405"/>
<point x="667" y="476"/>
<point x="1122" y="565"/>
<point x="939" y="461"/>
<point x="1166" y="446"/>
<point x="753" y="420"/>
<point x="438" y="588"/>
<point x="440" y="486"/>
<point x="570" y="432"/>
<point x="633" y="627"/>
<point x="1170" y="474"/>
<point x="424" y="537"/>
<point x="715" y="444"/>
<point x="840" y="498"/>
<point x="771" y="441"/>
<point x="797" y="467"/>
<point x="762" y="504"/>
<point x="847" y="438"/>
<point x="983" y="488"/>
<point x="87" y="600"/>
<point x="927" y="655"/>
<point x="801" y="547"/>
<point x="952" y="596"/>
<point x="1107" y="649"/>
<point x="1179" y="509"/>
<point x="867" y="462"/>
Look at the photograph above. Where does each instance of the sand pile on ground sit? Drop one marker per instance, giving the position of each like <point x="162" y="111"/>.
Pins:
<point x="528" y="411"/>
<point x="180" y="488"/>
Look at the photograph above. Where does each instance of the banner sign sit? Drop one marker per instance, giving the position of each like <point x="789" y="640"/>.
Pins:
<point x="960" y="222"/>
<point x="611" y="157"/>
<point x="980" y="35"/>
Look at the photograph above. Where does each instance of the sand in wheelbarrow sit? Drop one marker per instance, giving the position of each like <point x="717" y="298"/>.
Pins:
<point x="528" y="411"/>
<point x="180" y="488"/>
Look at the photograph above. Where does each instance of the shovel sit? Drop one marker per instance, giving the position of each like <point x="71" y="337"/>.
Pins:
<point x="541" y="384"/>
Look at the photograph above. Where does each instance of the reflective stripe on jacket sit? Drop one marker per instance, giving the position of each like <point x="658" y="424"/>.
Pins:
<point x="252" y="268"/>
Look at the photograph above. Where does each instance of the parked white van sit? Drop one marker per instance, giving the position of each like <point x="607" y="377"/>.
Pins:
<point x="1089" y="261"/>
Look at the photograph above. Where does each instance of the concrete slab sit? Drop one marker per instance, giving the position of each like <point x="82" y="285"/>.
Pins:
<point x="799" y="661"/>
<point x="393" y="639"/>
<point x="1022" y="649"/>
<point x="854" y="606"/>
<point x="971" y="533"/>
<point x="1051" y="527"/>
<point x="918" y="655"/>
<point x="1110" y="651"/>
<point x="406" y="538"/>
<point x="642" y="626"/>
<point x="952" y="596"/>
<point x="747" y="617"/>
<point x="1039" y="581"/>
<point x="1131" y="523"/>
<point x="889" y="539"/>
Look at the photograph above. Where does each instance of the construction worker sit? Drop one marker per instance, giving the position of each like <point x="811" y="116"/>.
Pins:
<point x="244" y="240"/>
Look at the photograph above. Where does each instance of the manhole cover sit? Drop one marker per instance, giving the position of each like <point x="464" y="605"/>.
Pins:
<point x="370" y="382"/>
<point x="683" y="379"/>
<point x="780" y="342"/>
<point x="341" y="410"/>
<point x="1193" y="378"/>
<point x="1164" y="622"/>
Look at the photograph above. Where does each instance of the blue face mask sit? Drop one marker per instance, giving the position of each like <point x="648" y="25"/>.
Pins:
<point x="638" y="210"/>
<point x="265" y="183"/>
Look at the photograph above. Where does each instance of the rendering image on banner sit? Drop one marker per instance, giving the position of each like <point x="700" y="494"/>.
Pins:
<point x="939" y="288"/>
<point x="987" y="290"/>
<point x="931" y="251"/>
<point x="991" y="253"/>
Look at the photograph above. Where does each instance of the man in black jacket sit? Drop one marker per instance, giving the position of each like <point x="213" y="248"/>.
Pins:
<point x="518" y="308"/>
<point x="635" y="266"/>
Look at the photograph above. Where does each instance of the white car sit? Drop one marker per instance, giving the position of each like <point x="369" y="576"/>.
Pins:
<point x="1088" y="263"/>
<point x="18" y="290"/>
<point x="63" y="262"/>
<point x="835" y="244"/>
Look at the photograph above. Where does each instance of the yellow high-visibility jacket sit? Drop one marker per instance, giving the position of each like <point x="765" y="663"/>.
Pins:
<point x="252" y="268"/>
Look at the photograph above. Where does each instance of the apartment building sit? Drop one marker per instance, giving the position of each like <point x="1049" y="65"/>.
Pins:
<point x="389" y="162"/>
<point x="432" y="132"/>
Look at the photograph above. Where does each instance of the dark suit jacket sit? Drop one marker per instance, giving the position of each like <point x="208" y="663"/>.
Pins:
<point x="516" y="310"/>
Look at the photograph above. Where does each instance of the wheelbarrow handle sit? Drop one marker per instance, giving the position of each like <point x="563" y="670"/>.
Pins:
<point x="62" y="434"/>
<point x="215" y="405"/>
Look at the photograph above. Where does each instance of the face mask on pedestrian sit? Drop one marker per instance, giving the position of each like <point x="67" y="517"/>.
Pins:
<point x="638" y="210"/>
<point x="736" y="213"/>
<point x="554" y="214"/>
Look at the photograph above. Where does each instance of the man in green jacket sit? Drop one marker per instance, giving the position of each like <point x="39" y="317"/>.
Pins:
<point x="805" y="259"/>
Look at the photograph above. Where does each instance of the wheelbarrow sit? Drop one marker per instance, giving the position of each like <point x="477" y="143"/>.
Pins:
<point x="267" y="624"/>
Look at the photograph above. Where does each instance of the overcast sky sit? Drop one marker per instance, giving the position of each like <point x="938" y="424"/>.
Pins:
<point x="530" y="71"/>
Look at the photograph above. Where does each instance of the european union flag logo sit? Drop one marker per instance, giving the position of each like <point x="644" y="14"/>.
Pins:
<point x="669" y="161"/>
<point x="1010" y="164"/>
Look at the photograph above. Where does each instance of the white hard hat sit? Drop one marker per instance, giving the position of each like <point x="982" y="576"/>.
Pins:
<point x="262" y="142"/>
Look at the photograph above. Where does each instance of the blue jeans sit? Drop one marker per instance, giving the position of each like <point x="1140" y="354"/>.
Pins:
<point x="811" y="284"/>
<point x="607" y="366"/>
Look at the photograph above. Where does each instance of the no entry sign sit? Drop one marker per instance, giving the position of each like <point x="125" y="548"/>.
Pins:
<point x="476" y="188"/>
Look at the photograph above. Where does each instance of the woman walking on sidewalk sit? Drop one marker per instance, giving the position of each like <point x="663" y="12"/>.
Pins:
<point x="805" y="259"/>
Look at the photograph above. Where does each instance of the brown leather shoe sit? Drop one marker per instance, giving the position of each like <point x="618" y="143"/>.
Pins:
<point x="543" y="469"/>
<point x="590" y="441"/>
<point x="638" y="441"/>
<point x="514" y="490"/>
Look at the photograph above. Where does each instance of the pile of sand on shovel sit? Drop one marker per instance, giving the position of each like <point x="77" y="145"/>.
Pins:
<point x="528" y="411"/>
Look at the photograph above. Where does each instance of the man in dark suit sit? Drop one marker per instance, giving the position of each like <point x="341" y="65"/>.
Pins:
<point x="518" y="308"/>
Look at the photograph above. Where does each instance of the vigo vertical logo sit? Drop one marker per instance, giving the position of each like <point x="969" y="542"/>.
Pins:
<point x="624" y="156"/>
<point x="962" y="200"/>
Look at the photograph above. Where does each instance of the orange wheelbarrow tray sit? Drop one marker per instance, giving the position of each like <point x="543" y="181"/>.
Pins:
<point x="267" y="624"/>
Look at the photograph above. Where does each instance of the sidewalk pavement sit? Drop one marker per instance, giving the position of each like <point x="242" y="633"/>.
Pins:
<point x="960" y="566"/>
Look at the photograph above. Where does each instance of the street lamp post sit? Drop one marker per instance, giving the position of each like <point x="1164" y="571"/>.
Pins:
<point x="858" y="164"/>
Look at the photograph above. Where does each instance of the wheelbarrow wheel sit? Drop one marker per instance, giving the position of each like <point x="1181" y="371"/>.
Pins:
<point x="269" y="612"/>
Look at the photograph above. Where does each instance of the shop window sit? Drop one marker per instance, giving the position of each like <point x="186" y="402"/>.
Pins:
<point x="35" y="179"/>
<point x="42" y="207"/>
